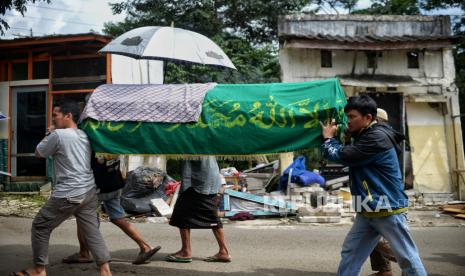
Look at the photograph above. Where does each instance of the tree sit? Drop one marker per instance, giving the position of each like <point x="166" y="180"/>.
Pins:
<point x="395" y="7"/>
<point x="18" y="5"/>
<point x="335" y="5"/>
<point x="255" y="21"/>
<point x="245" y="29"/>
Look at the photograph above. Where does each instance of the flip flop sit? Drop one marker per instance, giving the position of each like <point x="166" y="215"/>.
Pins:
<point x="216" y="259"/>
<point x="144" y="256"/>
<point x="76" y="259"/>
<point x="175" y="259"/>
<point x="23" y="272"/>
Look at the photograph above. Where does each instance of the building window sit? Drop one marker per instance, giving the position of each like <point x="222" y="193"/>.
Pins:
<point x="19" y="71"/>
<point x="40" y="70"/>
<point x="371" y="59"/>
<point x="412" y="58"/>
<point x="326" y="59"/>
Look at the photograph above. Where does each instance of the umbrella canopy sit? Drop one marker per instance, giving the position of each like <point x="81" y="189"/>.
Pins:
<point x="168" y="44"/>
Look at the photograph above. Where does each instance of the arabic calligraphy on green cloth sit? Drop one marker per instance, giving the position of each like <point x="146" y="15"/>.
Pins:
<point x="236" y="119"/>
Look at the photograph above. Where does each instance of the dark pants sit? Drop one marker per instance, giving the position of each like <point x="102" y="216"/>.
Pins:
<point x="379" y="257"/>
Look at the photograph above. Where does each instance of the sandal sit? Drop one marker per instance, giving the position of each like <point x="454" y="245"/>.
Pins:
<point x="144" y="256"/>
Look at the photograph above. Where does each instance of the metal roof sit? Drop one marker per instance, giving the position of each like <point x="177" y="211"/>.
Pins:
<point x="364" y="28"/>
<point x="367" y="38"/>
<point x="39" y="41"/>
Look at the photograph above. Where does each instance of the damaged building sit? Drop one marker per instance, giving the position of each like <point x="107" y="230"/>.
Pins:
<point x="406" y="64"/>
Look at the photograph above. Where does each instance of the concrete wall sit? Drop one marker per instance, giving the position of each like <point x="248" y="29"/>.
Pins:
<point x="430" y="158"/>
<point x="362" y="25"/>
<point x="304" y="64"/>
<point x="4" y="99"/>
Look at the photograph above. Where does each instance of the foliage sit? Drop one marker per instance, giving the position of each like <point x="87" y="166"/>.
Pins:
<point x="245" y="29"/>
<point x="335" y="5"/>
<point x="254" y="20"/>
<point x="254" y="65"/>
<point x="398" y="7"/>
<point x="18" y="5"/>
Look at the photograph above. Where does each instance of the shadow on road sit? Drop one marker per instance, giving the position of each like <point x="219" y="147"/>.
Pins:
<point x="448" y="258"/>
<point x="18" y="257"/>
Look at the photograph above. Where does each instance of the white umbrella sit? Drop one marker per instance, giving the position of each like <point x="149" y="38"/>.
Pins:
<point x="168" y="44"/>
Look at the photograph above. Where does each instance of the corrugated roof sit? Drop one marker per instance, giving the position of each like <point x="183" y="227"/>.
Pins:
<point x="54" y="36"/>
<point x="30" y="43"/>
<point x="365" y="28"/>
<point x="367" y="38"/>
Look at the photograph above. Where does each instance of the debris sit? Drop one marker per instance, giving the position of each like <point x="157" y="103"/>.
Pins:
<point x="142" y="185"/>
<point x="235" y="202"/>
<point x="175" y="197"/>
<point x="319" y="219"/>
<point x="230" y="171"/>
<point x="160" y="207"/>
<point x="345" y="193"/>
<point x="242" y="216"/>
<point x="431" y="199"/>
<point x="336" y="183"/>
<point x="157" y="219"/>
<point x="264" y="168"/>
<point x="454" y="210"/>
<point x="461" y="216"/>
<point x="457" y="209"/>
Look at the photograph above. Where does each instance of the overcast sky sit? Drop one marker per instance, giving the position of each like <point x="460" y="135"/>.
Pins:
<point x="61" y="17"/>
<point x="82" y="16"/>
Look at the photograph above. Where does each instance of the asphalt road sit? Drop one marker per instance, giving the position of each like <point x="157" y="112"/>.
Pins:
<point x="257" y="247"/>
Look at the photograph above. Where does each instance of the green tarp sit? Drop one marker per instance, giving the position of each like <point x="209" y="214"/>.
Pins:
<point x="236" y="120"/>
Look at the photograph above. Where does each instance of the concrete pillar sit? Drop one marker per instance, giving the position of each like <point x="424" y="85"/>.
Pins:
<point x="458" y="161"/>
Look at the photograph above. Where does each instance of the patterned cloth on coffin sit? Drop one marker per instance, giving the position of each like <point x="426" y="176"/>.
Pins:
<point x="173" y="103"/>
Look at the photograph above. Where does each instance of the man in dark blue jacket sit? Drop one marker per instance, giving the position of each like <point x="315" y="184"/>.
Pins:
<point x="376" y="186"/>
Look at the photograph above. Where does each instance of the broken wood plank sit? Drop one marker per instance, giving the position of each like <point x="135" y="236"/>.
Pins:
<point x="462" y="216"/>
<point x="454" y="210"/>
<point x="453" y="206"/>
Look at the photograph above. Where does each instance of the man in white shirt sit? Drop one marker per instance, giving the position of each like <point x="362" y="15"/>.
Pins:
<point x="74" y="191"/>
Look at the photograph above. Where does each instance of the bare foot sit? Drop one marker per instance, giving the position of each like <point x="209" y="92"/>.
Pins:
<point x="183" y="254"/>
<point x="105" y="270"/>
<point x="30" y="272"/>
<point x="221" y="258"/>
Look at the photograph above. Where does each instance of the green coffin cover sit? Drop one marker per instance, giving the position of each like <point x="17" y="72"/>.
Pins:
<point x="236" y="120"/>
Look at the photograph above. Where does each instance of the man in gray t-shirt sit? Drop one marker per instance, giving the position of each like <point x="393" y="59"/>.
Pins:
<point x="74" y="191"/>
<point x="71" y="153"/>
